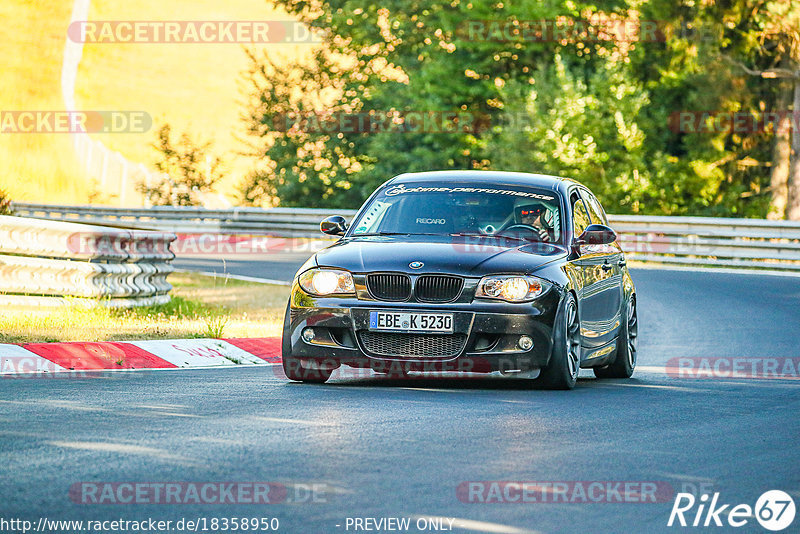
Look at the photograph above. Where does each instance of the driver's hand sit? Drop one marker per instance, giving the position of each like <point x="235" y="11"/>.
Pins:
<point x="544" y="235"/>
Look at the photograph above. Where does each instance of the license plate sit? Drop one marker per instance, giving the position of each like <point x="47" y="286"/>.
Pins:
<point x="411" y="322"/>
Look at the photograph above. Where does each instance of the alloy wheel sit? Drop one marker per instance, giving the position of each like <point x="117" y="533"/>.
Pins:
<point x="633" y="332"/>
<point x="573" y="339"/>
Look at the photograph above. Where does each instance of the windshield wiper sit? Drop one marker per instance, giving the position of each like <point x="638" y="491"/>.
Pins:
<point x="380" y="233"/>
<point x="389" y="233"/>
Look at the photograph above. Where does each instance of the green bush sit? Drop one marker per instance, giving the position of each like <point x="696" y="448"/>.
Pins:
<point x="189" y="170"/>
<point x="5" y="204"/>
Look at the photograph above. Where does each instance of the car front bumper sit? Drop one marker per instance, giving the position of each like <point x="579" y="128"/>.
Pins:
<point x="488" y="334"/>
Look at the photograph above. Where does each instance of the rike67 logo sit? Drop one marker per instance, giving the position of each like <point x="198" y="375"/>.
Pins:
<point x="774" y="510"/>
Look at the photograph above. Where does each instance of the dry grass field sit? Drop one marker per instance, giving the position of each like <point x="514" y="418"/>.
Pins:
<point x="194" y="87"/>
<point x="201" y="306"/>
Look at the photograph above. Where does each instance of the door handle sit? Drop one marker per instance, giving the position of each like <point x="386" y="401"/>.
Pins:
<point x="606" y="266"/>
<point x="622" y="263"/>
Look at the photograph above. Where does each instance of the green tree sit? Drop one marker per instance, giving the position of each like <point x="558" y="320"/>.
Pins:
<point x="302" y="166"/>
<point x="692" y="69"/>
<point x="775" y="42"/>
<point x="189" y="171"/>
<point x="393" y="57"/>
<point x="562" y="125"/>
<point x="599" y="110"/>
<point x="5" y="204"/>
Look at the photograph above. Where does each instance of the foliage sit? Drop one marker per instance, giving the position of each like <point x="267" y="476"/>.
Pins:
<point x="586" y="130"/>
<point x="601" y="111"/>
<point x="188" y="171"/>
<point x="301" y="167"/>
<point x="201" y="306"/>
<point x="5" y="204"/>
<point x="395" y="57"/>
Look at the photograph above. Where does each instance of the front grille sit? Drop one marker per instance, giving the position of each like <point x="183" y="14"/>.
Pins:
<point x="412" y="345"/>
<point x="437" y="288"/>
<point x="389" y="286"/>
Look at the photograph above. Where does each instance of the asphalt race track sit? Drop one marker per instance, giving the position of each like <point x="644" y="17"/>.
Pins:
<point x="271" y="267"/>
<point x="381" y="448"/>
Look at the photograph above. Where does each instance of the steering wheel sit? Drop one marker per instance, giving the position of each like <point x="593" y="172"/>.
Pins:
<point x="519" y="226"/>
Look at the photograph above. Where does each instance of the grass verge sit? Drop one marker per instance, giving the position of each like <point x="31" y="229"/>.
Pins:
<point x="201" y="306"/>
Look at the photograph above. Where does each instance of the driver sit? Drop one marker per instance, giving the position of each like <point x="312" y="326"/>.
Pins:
<point x="534" y="217"/>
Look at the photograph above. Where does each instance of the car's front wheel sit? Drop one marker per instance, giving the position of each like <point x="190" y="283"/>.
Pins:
<point x="295" y="371"/>
<point x="292" y="367"/>
<point x="561" y="371"/>
<point x="625" y="360"/>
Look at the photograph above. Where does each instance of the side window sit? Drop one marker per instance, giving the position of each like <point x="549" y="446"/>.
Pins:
<point x="580" y="219"/>
<point x="595" y="209"/>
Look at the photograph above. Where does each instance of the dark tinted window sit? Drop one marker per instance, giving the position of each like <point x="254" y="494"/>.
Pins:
<point x="463" y="208"/>
<point x="595" y="209"/>
<point x="580" y="219"/>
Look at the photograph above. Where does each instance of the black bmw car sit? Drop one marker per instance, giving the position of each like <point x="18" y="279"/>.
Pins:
<point x="469" y="272"/>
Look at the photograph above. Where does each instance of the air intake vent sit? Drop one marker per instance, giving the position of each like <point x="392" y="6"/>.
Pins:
<point x="437" y="288"/>
<point x="389" y="286"/>
<point x="412" y="345"/>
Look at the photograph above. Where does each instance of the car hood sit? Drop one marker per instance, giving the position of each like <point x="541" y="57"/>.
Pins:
<point x="469" y="256"/>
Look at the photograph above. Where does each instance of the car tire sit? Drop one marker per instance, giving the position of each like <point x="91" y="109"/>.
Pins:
<point x="295" y="371"/>
<point x="291" y="366"/>
<point x="561" y="372"/>
<point x="625" y="361"/>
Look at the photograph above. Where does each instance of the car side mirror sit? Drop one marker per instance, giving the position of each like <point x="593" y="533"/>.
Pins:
<point x="597" y="234"/>
<point x="333" y="225"/>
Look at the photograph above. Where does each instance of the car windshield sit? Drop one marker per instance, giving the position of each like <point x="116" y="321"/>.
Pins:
<point x="454" y="208"/>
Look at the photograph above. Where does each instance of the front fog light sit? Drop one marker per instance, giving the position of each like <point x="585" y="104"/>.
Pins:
<point x="308" y="335"/>
<point x="525" y="343"/>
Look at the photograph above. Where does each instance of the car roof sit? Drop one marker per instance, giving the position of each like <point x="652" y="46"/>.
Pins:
<point x="545" y="181"/>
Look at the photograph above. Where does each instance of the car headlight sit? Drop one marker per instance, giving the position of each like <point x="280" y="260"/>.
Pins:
<point x="511" y="287"/>
<point x="322" y="282"/>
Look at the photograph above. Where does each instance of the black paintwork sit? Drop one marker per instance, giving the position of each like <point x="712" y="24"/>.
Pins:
<point x="592" y="267"/>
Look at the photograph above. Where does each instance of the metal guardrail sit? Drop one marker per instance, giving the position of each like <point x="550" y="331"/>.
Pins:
<point x="289" y="222"/>
<point x="710" y="241"/>
<point x="691" y="241"/>
<point x="44" y="261"/>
